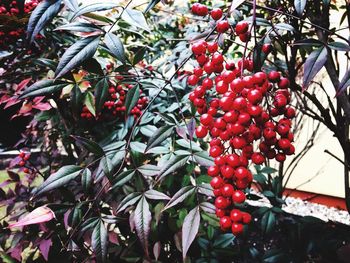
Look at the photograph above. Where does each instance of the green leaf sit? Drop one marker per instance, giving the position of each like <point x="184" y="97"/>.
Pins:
<point x="274" y="256"/>
<point x="339" y="46"/>
<point x="268" y="194"/>
<point x="142" y="219"/>
<point x="299" y="6"/>
<point x="122" y="178"/>
<point x="268" y="170"/>
<point x="156" y="195"/>
<point x="86" y="179"/>
<point x="51" y="64"/>
<point x="42" y="14"/>
<point x="205" y="189"/>
<point x="284" y="26"/>
<point x="80" y="51"/>
<point x="76" y="100"/>
<point x="132" y="97"/>
<point x="90" y="102"/>
<point x="89" y="145"/>
<point x="148" y="170"/>
<point x="260" y="178"/>
<point x="150" y="5"/>
<point x="71" y="4"/>
<point x="99" y="241"/>
<point x="268" y="222"/>
<point x="190" y="229"/>
<point x="139" y="55"/>
<point x="43" y="87"/>
<point x="79" y="27"/>
<point x="180" y="196"/>
<point x="203" y="158"/>
<point x="313" y="65"/>
<point x="159" y="136"/>
<point x="173" y="165"/>
<point x="63" y="176"/>
<point x="129" y="200"/>
<point x="115" y="45"/>
<point x="135" y="18"/>
<point x="224" y="240"/>
<point x="138" y="147"/>
<point x="95" y="7"/>
<point x="101" y="94"/>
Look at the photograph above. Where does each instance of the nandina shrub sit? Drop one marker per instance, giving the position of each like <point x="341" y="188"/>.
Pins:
<point x="140" y="115"/>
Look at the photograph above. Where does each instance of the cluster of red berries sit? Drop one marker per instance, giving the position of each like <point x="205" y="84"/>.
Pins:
<point x="11" y="34"/>
<point x="115" y="103"/>
<point x="247" y="116"/>
<point x="24" y="159"/>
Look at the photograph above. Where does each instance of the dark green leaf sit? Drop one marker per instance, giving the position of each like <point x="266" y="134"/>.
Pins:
<point x="135" y="18"/>
<point x="90" y="103"/>
<point x="94" y="8"/>
<point x="313" y="65"/>
<point x="173" y="165"/>
<point x="42" y="14"/>
<point x="274" y="256"/>
<point x="268" y="222"/>
<point x="115" y="45"/>
<point x="51" y="64"/>
<point x="190" y="229"/>
<point x="71" y="4"/>
<point x="151" y="4"/>
<point x="122" y="178"/>
<point x="76" y="100"/>
<point x="159" y="136"/>
<point x="139" y="55"/>
<point x="86" y="179"/>
<point x="101" y="94"/>
<point x="79" y="27"/>
<point x="128" y="201"/>
<point x="99" y="241"/>
<point x="43" y="87"/>
<point x="268" y="170"/>
<point x="64" y="175"/>
<point x="148" y="170"/>
<point x="142" y="219"/>
<point x="131" y="98"/>
<point x="284" y="26"/>
<point x="224" y="240"/>
<point x="89" y="145"/>
<point x="180" y="196"/>
<point x="299" y="6"/>
<point x="339" y="46"/>
<point x="344" y="83"/>
<point x="80" y="51"/>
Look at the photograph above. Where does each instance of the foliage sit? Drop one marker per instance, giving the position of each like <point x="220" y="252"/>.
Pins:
<point x="122" y="169"/>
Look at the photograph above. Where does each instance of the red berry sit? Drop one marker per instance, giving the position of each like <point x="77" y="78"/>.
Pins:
<point x="213" y="171"/>
<point x="222" y="26"/>
<point x="246" y="218"/>
<point x="274" y="76"/>
<point x="237" y="229"/>
<point x="266" y="48"/>
<point x="198" y="48"/>
<point x="201" y="131"/>
<point x="216" y="13"/>
<point x="217" y="182"/>
<point x="221" y="202"/>
<point x="227" y="190"/>
<point x="236" y="215"/>
<point x="238" y="196"/>
<point x="241" y="27"/>
<point x="258" y="158"/>
<point x="212" y="47"/>
<point x="192" y="80"/>
<point x="225" y="222"/>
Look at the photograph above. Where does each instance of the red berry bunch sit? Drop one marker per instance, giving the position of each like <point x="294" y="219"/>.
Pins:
<point x="248" y="118"/>
<point x="24" y="159"/>
<point x="115" y="103"/>
<point x="11" y="34"/>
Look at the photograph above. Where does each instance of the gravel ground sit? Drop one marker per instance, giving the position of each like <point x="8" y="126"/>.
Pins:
<point x="304" y="208"/>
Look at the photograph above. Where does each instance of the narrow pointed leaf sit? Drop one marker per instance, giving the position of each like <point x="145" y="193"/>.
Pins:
<point x="89" y="145"/>
<point x="42" y="14"/>
<point x="151" y="4"/>
<point x="99" y="241"/>
<point x="313" y="65"/>
<point x="156" y="195"/>
<point x="142" y="219"/>
<point x="173" y="165"/>
<point x="94" y="8"/>
<point x="86" y="179"/>
<point x="299" y="6"/>
<point x="180" y="196"/>
<point x="339" y="46"/>
<point x="71" y="4"/>
<point x="90" y="103"/>
<point x="39" y="215"/>
<point x="80" y="51"/>
<point x="135" y="18"/>
<point x="131" y="98"/>
<point x="235" y="4"/>
<point x="42" y="88"/>
<point x="116" y="46"/>
<point x="159" y="136"/>
<point x="122" y="178"/>
<point x="79" y="27"/>
<point x="203" y="158"/>
<point x="148" y="170"/>
<point x="63" y="176"/>
<point x="129" y="200"/>
<point x="344" y="83"/>
<point x="101" y="94"/>
<point x="268" y="222"/>
<point x="190" y="229"/>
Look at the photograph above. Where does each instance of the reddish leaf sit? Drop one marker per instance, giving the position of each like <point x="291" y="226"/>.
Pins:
<point x="44" y="247"/>
<point x="190" y="229"/>
<point x="11" y="101"/>
<point x="23" y="84"/>
<point x="142" y="218"/>
<point x="42" y="106"/>
<point x="39" y="215"/>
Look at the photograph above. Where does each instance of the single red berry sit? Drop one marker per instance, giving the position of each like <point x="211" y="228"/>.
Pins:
<point x="212" y="47"/>
<point x="258" y="158"/>
<point x="213" y="171"/>
<point x="238" y="196"/>
<point x="236" y="215"/>
<point x="22" y="163"/>
<point x="241" y="27"/>
<point x="225" y="222"/>
<point x="274" y="76"/>
<point x="227" y="190"/>
<point x="220" y="212"/>
<point x="216" y="13"/>
<point x="221" y="202"/>
<point x="237" y="229"/>
<point x="217" y="182"/>
<point x="201" y="131"/>
<point x="244" y="37"/>
<point x="266" y="48"/>
<point x="246" y="218"/>
<point x="222" y="26"/>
